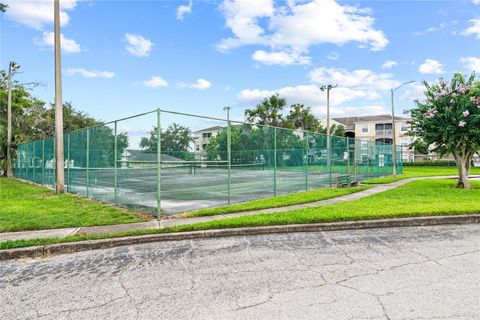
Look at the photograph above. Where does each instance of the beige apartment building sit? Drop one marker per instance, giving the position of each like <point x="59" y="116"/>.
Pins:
<point x="378" y="129"/>
<point x="201" y="139"/>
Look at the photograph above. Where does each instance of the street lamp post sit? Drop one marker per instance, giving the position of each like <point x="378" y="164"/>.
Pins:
<point x="328" y="88"/>
<point x="12" y="67"/>
<point x="58" y="103"/>
<point x="394" y="143"/>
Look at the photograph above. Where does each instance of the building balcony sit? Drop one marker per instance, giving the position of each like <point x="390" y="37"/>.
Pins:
<point x="386" y="132"/>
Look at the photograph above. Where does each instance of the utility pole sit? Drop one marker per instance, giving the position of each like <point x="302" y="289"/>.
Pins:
<point x="394" y="142"/>
<point x="60" y="175"/>
<point x="329" y="151"/>
<point x="12" y="67"/>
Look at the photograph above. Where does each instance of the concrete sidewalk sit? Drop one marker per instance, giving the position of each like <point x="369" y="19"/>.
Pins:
<point x="169" y="222"/>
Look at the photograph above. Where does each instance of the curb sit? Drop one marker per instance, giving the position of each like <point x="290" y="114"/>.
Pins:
<point x="72" y="247"/>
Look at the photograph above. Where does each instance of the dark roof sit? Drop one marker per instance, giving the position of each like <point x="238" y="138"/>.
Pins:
<point x="234" y="125"/>
<point x="142" y="155"/>
<point x="349" y="122"/>
<point x="210" y="129"/>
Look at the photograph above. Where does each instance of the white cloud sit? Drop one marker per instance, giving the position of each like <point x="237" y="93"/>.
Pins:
<point x="297" y="26"/>
<point x="440" y="27"/>
<point x="138" y="45"/>
<point x="280" y="58"/>
<point x="155" y="82"/>
<point x="201" y="84"/>
<point x="37" y="13"/>
<point x="89" y="73"/>
<point x="414" y="92"/>
<point x="431" y="66"/>
<point x="308" y="94"/>
<point x="362" y="78"/>
<point x="183" y="10"/>
<point x="68" y="45"/>
<point x="388" y="64"/>
<point x="474" y="29"/>
<point x="476" y="1"/>
<point x="333" y="56"/>
<point x="471" y="63"/>
<point x="311" y="95"/>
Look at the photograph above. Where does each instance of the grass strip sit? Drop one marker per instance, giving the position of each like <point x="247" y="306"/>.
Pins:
<point x="25" y="206"/>
<point x="418" y="198"/>
<point x="415" y="172"/>
<point x="277" y="202"/>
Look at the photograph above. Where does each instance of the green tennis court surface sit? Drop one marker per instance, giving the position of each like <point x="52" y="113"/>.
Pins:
<point x="198" y="162"/>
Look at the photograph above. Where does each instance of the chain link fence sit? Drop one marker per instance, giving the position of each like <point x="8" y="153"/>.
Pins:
<point x="167" y="162"/>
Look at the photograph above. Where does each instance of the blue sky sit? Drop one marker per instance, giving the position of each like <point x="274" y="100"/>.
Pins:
<point x="127" y="57"/>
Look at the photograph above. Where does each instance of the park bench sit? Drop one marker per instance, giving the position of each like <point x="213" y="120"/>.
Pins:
<point x="346" y="181"/>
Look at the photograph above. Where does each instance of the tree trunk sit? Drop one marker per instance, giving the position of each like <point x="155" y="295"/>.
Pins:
<point x="463" y="166"/>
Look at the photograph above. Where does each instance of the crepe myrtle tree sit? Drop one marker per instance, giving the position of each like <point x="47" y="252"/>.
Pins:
<point x="448" y="120"/>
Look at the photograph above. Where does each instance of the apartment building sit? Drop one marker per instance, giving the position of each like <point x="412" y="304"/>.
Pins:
<point x="202" y="137"/>
<point x="378" y="129"/>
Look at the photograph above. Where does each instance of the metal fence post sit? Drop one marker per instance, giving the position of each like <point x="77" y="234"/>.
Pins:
<point x="275" y="161"/>
<point x="26" y="162"/>
<point x="159" y="163"/>
<point x="33" y="164"/>
<point x="307" y="145"/>
<point x="88" y="164"/>
<point x="229" y="155"/>
<point x="355" y="159"/>
<point x="68" y="162"/>
<point x="54" y="158"/>
<point x="329" y="158"/>
<point x="43" y="161"/>
<point x="115" y="159"/>
<point x="369" y="160"/>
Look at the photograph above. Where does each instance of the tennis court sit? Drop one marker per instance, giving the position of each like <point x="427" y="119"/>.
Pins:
<point x="124" y="162"/>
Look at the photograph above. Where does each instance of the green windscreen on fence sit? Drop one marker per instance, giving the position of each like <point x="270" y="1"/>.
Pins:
<point x="166" y="162"/>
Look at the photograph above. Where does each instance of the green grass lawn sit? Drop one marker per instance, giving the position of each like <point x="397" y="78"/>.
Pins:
<point x="414" y="172"/>
<point x="25" y="206"/>
<point x="276" y="202"/>
<point x="418" y="198"/>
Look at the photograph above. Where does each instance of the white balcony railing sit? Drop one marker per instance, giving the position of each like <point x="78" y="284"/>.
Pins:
<point x="386" y="132"/>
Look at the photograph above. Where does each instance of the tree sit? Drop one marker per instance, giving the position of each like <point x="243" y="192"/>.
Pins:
<point x="32" y="120"/>
<point x="3" y="7"/>
<point x="449" y="121"/>
<point x="301" y="117"/>
<point x="419" y="146"/>
<point x="176" y="140"/>
<point x="269" y="112"/>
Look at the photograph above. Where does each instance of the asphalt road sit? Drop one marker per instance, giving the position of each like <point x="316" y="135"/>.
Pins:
<point x="405" y="273"/>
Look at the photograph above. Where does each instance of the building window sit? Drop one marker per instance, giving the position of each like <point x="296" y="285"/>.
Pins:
<point x="364" y="143"/>
<point x="364" y="157"/>
<point x="206" y="135"/>
<point x="197" y="147"/>
<point x="405" y="142"/>
<point x="404" y="127"/>
<point x="381" y="160"/>
<point x="364" y="128"/>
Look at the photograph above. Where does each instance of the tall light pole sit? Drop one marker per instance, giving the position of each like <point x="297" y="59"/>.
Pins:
<point x="12" y="67"/>
<point x="394" y="143"/>
<point x="328" y="88"/>
<point x="60" y="179"/>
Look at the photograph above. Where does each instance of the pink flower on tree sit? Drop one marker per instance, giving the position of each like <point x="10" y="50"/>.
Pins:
<point x="462" y="124"/>
<point x="462" y="89"/>
<point x="430" y="114"/>
<point x="466" y="113"/>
